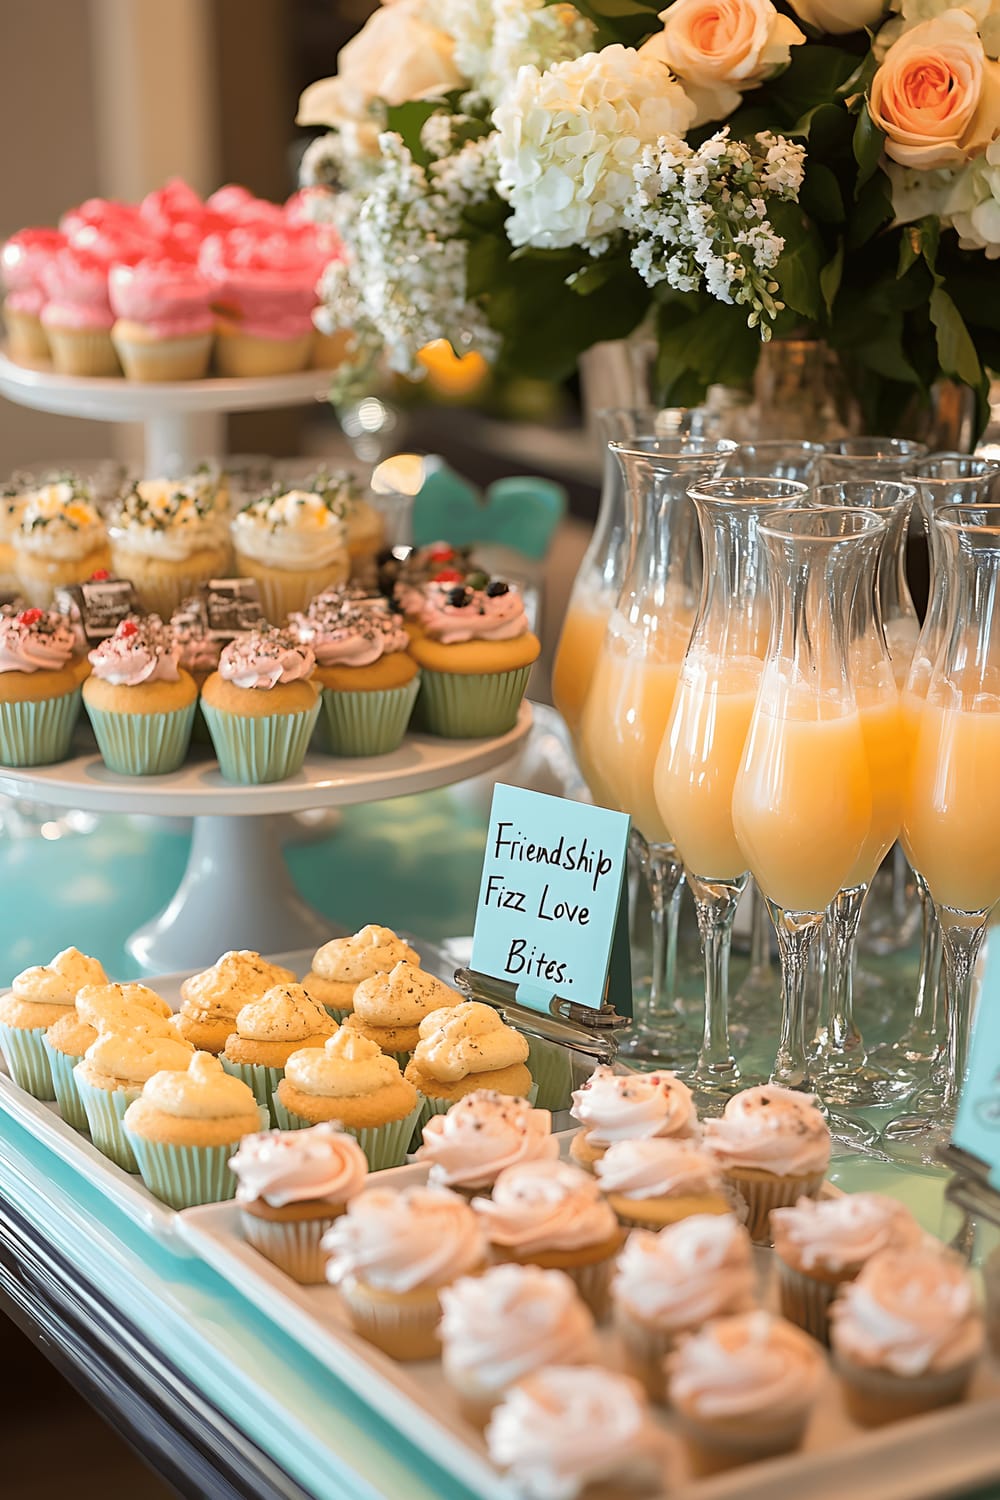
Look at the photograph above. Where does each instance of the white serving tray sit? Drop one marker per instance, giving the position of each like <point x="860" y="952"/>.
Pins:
<point x="928" y="1458"/>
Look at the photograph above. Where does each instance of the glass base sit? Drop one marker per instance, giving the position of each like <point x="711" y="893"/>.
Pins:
<point x="917" y="1137"/>
<point x="645" y="1047"/>
<point x="856" y="1135"/>
<point x="859" y="1088"/>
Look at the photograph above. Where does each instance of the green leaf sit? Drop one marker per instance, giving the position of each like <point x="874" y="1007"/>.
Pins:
<point x="868" y="143"/>
<point x="956" y="350"/>
<point x="592" y="278"/>
<point x="856" y="86"/>
<point x="625" y="21"/>
<point x="872" y="210"/>
<point x="797" y="272"/>
<point x="814" y="72"/>
<point x="820" y="194"/>
<point x="408" y="120"/>
<point x="830" y="277"/>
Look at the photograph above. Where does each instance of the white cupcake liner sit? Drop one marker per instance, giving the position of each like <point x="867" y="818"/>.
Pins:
<point x="27" y="1060"/>
<point x="593" y="1282"/>
<point x="261" y="1081"/>
<point x="761" y="1194"/>
<point x="645" y="1350"/>
<point x="384" y="1145"/>
<point x="389" y="1324"/>
<point x="876" y="1397"/>
<point x="67" y="1094"/>
<point x="293" y="1245"/>
<point x="105" y="1111"/>
<point x="805" y="1300"/>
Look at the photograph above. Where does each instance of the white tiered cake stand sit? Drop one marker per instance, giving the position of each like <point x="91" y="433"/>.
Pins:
<point x="236" y="891"/>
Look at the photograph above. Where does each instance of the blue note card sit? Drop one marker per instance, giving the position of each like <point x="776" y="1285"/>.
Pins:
<point x="977" y="1125"/>
<point x="552" y="904"/>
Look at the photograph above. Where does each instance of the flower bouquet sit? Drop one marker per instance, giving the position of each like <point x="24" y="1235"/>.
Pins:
<point x="527" y="180"/>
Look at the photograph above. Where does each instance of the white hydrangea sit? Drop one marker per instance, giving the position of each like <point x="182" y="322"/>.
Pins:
<point x="973" y="203"/>
<point x="568" y="140"/>
<point x="493" y="38"/>
<point x="916" y="194"/>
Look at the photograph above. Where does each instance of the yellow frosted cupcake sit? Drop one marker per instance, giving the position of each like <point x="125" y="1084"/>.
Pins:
<point x="261" y="706"/>
<point x="112" y="1075"/>
<point x="37" y="999"/>
<point x="167" y="537"/>
<point x="388" y="1008"/>
<point x="294" y="546"/>
<point x="392" y="1254"/>
<point x="268" y="1031"/>
<point x="339" y="966"/>
<point x="466" y="1048"/>
<point x="614" y="1107"/>
<point x="60" y="539"/>
<point x="139" y="700"/>
<point x="121" y="1006"/>
<point x="184" y="1129"/>
<point x="212" y="999"/>
<point x="661" y="1181"/>
<point x="773" y="1146"/>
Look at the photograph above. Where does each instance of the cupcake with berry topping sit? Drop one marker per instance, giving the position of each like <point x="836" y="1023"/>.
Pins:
<point x="140" y="702"/>
<point x="475" y="652"/>
<point x="261" y="706"/>
<point x="60" y="540"/>
<point x="167" y="537"/>
<point x="164" y="328"/>
<point x="613" y="1107"/>
<point x="294" y="545"/>
<point x="22" y="264"/>
<point x="773" y="1146"/>
<point x="370" y="682"/>
<point x="40" y="677"/>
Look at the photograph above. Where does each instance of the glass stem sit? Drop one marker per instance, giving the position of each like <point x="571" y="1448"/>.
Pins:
<point x="715" y="904"/>
<point x="962" y="937"/>
<point x="843" y="1045"/>
<point x="922" y="1037"/>
<point x="663" y="873"/>
<point x="760" y="937"/>
<point x="796" y="932"/>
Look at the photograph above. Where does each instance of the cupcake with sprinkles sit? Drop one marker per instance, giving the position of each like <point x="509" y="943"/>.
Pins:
<point x="369" y="680"/>
<point x="139" y="700"/>
<point x="475" y="652"/>
<point x="261" y="706"/>
<point x="40" y="677"/>
<point x="167" y="537"/>
<point x="60" y="540"/>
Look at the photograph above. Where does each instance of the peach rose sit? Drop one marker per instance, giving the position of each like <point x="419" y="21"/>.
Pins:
<point x="937" y="94"/>
<point x="721" y="48"/>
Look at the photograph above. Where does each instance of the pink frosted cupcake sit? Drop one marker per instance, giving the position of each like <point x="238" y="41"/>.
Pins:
<point x="480" y="1137"/>
<point x="40" y="677"/>
<point x="264" y="290"/>
<point x="164" y="326"/>
<point x="614" y="1107"/>
<point x="140" y="702"/>
<point x="235" y="205"/>
<point x="261" y="706"/>
<point x="77" y="314"/>
<point x="179" y="219"/>
<point x="22" y="266"/>
<point x="773" y="1146"/>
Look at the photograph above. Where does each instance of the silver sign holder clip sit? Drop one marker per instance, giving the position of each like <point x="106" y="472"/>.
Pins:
<point x="578" y="1028"/>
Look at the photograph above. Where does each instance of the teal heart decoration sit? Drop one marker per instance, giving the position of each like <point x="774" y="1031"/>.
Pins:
<point x="519" y="512"/>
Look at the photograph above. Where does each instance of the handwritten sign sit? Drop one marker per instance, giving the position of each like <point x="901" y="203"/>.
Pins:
<point x="552" y="917"/>
<point x="977" y="1125"/>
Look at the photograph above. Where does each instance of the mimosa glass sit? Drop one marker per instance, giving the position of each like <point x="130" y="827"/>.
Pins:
<point x="634" y="679"/>
<point x="802" y="803"/>
<point x="696" y="768"/>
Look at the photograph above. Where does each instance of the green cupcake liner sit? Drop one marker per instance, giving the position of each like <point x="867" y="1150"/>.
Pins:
<point x="260" y="1080"/>
<point x="367" y="723"/>
<point x="384" y="1145"/>
<point x="185" y="1176"/>
<point x="67" y="1094"/>
<point x="338" y="1015"/>
<point x="252" y="750"/>
<point x="105" y="1110"/>
<point x="27" y="1060"/>
<point x="551" y="1067"/>
<point x="36" y="734"/>
<point x="142" y="744"/>
<point x="475" y="706"/>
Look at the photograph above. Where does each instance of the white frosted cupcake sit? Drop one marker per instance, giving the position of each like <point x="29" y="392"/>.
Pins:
<point x="660" y="1181"/>
<point x="339" y="966"/>
<point x="578" y="1432"/>
<point x="480" y="1137"/>
<point x="294" y="545"/>
<point x="773" y="1146"/>
<point x="37" y="999"/>
<point x="267" y="1031"/>
<point x="391" y="1255"/>
<point x="60" y="539"/>
<point x="389" y="1008"/>
<point x="213" y="998"/>
<point x="906" y="1335"/>
<point x="614" y="1107"/>
<point x="167" y="537"/>
<point x="549" y="1214"/>
<point x="499" y="1327"/>
<point x="669" y="1284"/>
<point x="292" y="1186"/>
<point x="113" y="1073"/>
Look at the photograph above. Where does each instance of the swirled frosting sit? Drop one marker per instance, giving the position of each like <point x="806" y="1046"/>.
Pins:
<point x="687" y="1273"/>
<point x="350" y="636"/>
<point x="265" y="274"/>
<point x="841" y="1234"/>
<point x="299" y="1166"/>
<point x="262" y="659"/>
<point x="404" y="996"/>
<point x="239" y="976"/>
<point x="169" y="296"/>
<point x="546" y="1205"/>
<point x="139" y="651"/>
<point x="168" y="519"/>
<point x="910" y="1312"/>
<point x="22" y="264"/>
<point x="203" y="1091"/>
<point x="751" y="1362"/>
<point x="568" y="1426"/>
<point x="59" y="521"/>
<point x="498" y="1327"/>
<point x="57" y="982"/>
<point x="297" y="531"/>
<point x="633" y="1106"/>
<point x="372" y="950"/>
<point x="397" y="1241"/>
<point x="657" y="1168"/>
<point x="284" y="1013"/>
<point x="482" y="1135"/>
<point x="467" y="1038"/>
<point x="36" y="640"/>
<point x="137" y="1054"/>
<point x="452" y="613"/>
<point x="76" y="289"/>
<point x="347" y="1066"/>
<point x="771" y="1128"/>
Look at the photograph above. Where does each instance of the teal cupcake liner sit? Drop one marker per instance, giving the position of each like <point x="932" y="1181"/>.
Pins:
<point x="142" y="744"/>
<point x="260" y="1080"/>
<point x="27" y="1060"/>
<point x="551" y="1067"/>
<point x="384" y="1145"/>
<point x="185" y="1176"/>
<point x="105" y="1111"/>
<point x="473" y="706"/>
<point x="252" y="750"/>
<point x="338" y="1015"/>
<point x="367" y="723"/>
<point x="67" y="1094"/>
<point x="36" y="734"/>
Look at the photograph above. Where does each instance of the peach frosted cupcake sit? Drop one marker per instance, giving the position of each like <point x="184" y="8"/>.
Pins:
<point x="261" y="707"/>
<point x="391" y="1255"/>
<point x="465" y="1048"/>
<point x="139" y="700"/>
<point x="660" y="1181"/>
<point x="351" y="1080"/>
<point x="40" y="677"/>
<point x="906" y="1335"/>
<point x="111" y="1077"/>
<point x="292" y="1186"/>
<point x="213" y="998"/>
<point x="501" y="1326"/>
<point x="614" y="1107"/>
<point x="338" y="967"/>
<point x="668" y="1284"/>
<point x="293" y="545"/>
<point x="480" y="1137"/>
<point x="167" y="537"/>
<point x="60" y="540"/>
<point x="38" y="997"/>
<point x="266" y="1033"/>
<point x="773" y="1146"/>
<point x="121" y="1006"/>
<point x="389" y="1008"/>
